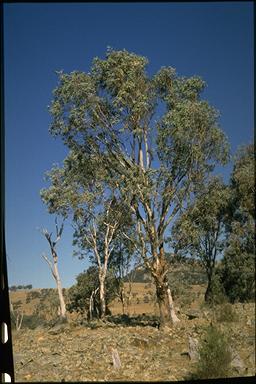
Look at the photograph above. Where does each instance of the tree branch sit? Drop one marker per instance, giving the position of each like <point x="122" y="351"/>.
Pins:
<point x="50" y="265"/>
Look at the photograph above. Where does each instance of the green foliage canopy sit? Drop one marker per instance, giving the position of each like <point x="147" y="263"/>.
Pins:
<point x="150" y="141"/>
<point x="87" y="282"/>
<point x="238" y="269"/>
<point x="199" y="231"/>
<point x="109" y="118"/>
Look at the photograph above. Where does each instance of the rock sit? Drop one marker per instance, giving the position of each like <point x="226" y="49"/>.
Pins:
<point x="45" y="350"/>
<point x="185" y="353"/>
<point x="57" y="329"/>
<point x="250" y="322"/>
<point x="193" y="348"/>
<point x="193" y="315"/>
<point x="18" y="358"/>
<point x="252" y="359"/>
<point x="116" y="358"/>
<point x="140" y="342"/>
<point x="206" y="315"/>
<point x="237" y="362"/>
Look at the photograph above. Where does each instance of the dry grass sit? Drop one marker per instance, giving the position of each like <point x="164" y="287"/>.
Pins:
<point x="82" y="353"/>
<point x="137" y="305"/>
<point x="21" y="295"/>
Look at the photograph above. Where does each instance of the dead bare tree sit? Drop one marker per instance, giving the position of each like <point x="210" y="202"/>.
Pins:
<point x="18" y="317"/>
<point x="54" y="264"/>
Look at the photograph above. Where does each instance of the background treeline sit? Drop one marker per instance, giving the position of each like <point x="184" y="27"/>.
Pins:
<point x="16" y="287"/>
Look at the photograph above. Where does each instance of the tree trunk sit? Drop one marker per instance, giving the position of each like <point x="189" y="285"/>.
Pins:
<point x="163" y="292"/>
<point x="63" y="314"/>
<point x="173" y="315"/>
<point x="165" y="303"/>
<point x="19" y="319"/>
<point x="93" y="310"/>
<point x="122" y="296"/>
<point x="208" y="292"/>
<point x="102" y="297"/>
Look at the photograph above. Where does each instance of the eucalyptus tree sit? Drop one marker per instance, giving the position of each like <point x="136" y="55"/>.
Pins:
<point x="80" y="188"/>
<point x="97" y="239"/>
<point x="124" y="260"/>
<point x="84" y="295"/>
<point x="238" y="267"/>
<point x="200" y="230"/>
<point x="152" y="135"/>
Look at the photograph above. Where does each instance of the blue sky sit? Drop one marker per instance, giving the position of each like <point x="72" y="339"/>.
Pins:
<point x="212" y="40"/>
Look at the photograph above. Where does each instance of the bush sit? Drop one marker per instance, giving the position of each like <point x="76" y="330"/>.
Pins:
<point x="17" y="304"/>
<point x="226" y="313"/>
<point x="218" y="293"/>
<point x="80" y="293"/>
<point x="214" y="356"/>
<point x="33" y="295"/>
<point x="29" y="321"/>
<point x="32" y="321"/>
<point x="146" y="299"/>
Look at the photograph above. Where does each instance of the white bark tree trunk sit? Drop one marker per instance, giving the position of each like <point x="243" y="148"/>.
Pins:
<point x="19" y="319"/>
<point x="54" y="266"/>
<point x="102" y="296"/>
<point x="63" y="313"/>
<point x="173" y="316"/>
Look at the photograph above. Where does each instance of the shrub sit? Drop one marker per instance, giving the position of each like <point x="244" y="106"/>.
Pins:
<point x="32" y="321"/>
<point x="33" y="295"/>
<point x="218" y="295"/>
<point x="226" y="313"/>
<point x="17" y="304"/>
<point x="29" y="321"/>
<point x="146" y="299"/>
<point x="214" y="355"/>
<point x="187" y="299"/>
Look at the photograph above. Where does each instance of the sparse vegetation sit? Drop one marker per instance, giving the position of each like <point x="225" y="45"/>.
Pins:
<point x="226" y="313"/>
<point x="214" y="355"/>
<point x="33" y="295"/>
<point x="33" y="321"/>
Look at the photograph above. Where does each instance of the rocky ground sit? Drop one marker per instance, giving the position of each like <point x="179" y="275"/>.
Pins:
<point x="136" y="351"/>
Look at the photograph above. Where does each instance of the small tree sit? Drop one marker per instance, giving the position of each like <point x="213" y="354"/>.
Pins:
<point x="16" y="316"/>
<point x="238" y="267"/>
<point x="54" y="266"/>
<point x="123" y="265"/>
<point x="80" y="189"/>
<point x="84" y="296"/>
<point x="199" y="231"/>
<point x="99" y="237"/>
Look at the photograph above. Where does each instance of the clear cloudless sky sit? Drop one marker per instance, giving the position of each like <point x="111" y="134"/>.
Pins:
<point x="212" y="40"/>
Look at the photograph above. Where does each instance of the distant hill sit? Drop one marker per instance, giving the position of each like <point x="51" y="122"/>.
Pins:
<point x="182" y="269"/>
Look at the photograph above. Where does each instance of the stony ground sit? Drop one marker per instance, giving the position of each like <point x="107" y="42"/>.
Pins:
<point x="78" y="353"/>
